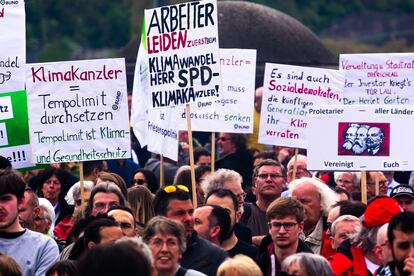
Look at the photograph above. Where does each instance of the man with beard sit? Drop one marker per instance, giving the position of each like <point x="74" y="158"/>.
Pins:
<point x="285" y="217"/>
<point x="401" y="243"/>
<point x="226" y="199"/>
<point x="350" y="135"/>
<point x="375" y="137"/>
<point x="174" y="202"/>
<point x="360" y="144"/>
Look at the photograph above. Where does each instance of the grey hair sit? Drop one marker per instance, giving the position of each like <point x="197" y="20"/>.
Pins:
<point x="349" y="218"/>
<point x="356" y="177"/>
<point x="87" y="187"/>
<point x="164" y="225"/>
<point x="300" y="157"/>
<point x="382" y="234"/>
<point x="104" y="187"/>
<point x="49" y="213"/>
<point x="217" y="180"/>
<point x="311" y="263"/>
<point x="366" y="238"/>
<point x="138" y="243"/>
<point x="327" y="196"/>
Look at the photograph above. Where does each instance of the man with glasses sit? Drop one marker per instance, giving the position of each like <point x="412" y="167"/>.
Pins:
<point x="103" y="197"/>
<point x="285" y="218"/>
<point x="269" y="182"/>
<point x="372" y="179"/>
<point x="174" y="202"/>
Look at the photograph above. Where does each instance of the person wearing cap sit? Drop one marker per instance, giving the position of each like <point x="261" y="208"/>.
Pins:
<point x="404" y="194"/>
<point x="357" y="255"/>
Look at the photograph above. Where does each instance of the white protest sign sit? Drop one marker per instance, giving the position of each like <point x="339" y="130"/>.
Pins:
<point x="355" y="137"/>
<point x="378" y="78"/>
<point x="139" y="107"/>
<point x="233" y="112"/>
<point x="289" y="91"/>
<point x="152" y="127"/>
<point x="78" y="110"/>
<point x="162" y="139"/>
<point x="12" y="45"/>
<point x="183" y="53"/>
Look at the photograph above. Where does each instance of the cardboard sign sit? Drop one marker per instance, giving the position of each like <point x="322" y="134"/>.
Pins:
<point x="183" y="53"/>
<point x="78" y="111"/>
<point x="14" y="129"/>
<point x="152" y="127"/>
<point x="289" y="92"/>
<point x="12" y="45"/>
<point x="233" y="112"/>
<point x="378" y="78"/>
<point x="360" y="137"/>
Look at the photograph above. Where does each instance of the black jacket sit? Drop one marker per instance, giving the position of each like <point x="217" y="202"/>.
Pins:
<point x="202" y="255"/>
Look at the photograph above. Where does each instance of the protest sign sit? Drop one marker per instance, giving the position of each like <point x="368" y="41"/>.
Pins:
<point x="14" y="129"/>
<point x="289" y="91"/>
<point x="183" y="53"/>
<point x="78" y="110"/>
<point x="12" y="45"/>
<point x="378" y="78"/>
<point x="152" y="127"/>
<point x="360" y="137"/>
<point x="233" y="112"/>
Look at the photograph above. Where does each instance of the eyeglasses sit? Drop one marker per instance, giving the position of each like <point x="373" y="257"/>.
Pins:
<point x="138" y="181"/>
<point x="100" y="206"/>
<point x="287" y="225"/>
<point x="222" y="138"/>
<point x="158" y="243"/>
<point x="173" y="188"/>
<point x="272" y="176"/>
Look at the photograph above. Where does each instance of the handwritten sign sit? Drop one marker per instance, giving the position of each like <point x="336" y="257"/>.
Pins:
<point x="233" y="112"/>
<point x="14" y="129"/>
<point x="78" y="110"/>
<point x="12" y="45"/>
<point x="378" y="78"/>
<point x="355" y="137"/>
<point x="289" y="92"/>
<point x="183" y="53"/>
<point x="152" y="127"/>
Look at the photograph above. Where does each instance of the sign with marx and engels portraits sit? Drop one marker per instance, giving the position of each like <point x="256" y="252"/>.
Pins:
<point x="233" y="112"/>
<point x="183" y="53"/>
<point x="12" y="45"/>
<point x="378" y="78"/>
<point x="355" y="137"/>
<point x="289" y="92"/>
<point x="78" y="110"/>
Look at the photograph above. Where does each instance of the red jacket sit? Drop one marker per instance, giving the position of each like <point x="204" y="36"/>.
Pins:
<point x="62" y="230"/>
<point x="349" y="260"/>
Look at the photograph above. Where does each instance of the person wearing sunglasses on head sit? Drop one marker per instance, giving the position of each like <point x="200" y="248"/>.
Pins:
<point x="285" y="218"/>
<point x="174" y="202"/>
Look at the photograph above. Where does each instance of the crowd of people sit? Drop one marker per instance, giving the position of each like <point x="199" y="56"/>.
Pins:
<point x="261" y="212"/>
